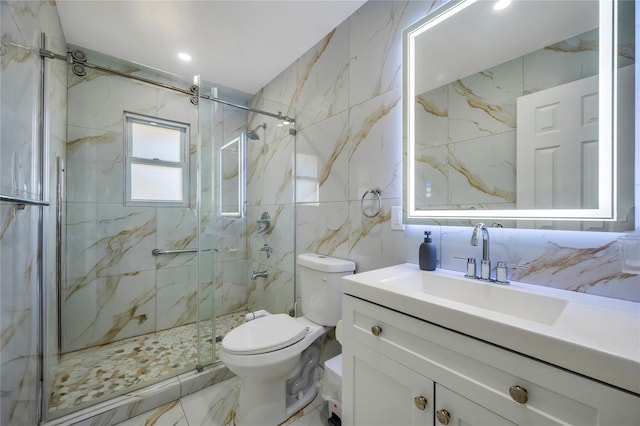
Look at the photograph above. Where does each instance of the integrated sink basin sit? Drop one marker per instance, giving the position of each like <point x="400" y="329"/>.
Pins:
<point x="504" y="299"/>
<point x="576" y="331"/>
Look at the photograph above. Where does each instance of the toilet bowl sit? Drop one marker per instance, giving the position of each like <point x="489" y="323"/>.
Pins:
<point x="276" y="355"/>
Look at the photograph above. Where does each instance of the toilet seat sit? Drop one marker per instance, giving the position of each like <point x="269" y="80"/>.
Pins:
<point x="263" y="335"/>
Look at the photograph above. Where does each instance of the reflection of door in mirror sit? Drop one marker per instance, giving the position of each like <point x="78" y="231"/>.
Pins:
<point x="557" y="147"/>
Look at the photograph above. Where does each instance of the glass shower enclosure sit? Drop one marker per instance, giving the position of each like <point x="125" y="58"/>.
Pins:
<point x="106" y="289"/>
<point x="147" y="284"/>
<point x="131" y="294"/>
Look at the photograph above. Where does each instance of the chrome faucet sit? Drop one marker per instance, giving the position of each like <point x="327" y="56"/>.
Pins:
<point x="485" y="266"/>
<point x="259" y="274"/>
<point x="267" y="249"/>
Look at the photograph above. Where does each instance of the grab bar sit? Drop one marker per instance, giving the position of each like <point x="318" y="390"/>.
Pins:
<point x="23" y="201"/>
<point x="157" y="252"/>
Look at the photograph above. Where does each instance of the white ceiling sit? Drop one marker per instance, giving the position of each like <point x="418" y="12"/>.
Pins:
<point x="239" y="44"/>
<point x="484" y="42"/>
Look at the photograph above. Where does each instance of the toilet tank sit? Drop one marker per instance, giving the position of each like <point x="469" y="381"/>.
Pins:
<point x="321" y="286"/>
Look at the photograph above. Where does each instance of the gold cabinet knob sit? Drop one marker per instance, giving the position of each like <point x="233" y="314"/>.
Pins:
<point x="376" y="330"/>
<point x="519" y="394"/>
<point x="443" y="416"/>
<point x="421" y="402"/>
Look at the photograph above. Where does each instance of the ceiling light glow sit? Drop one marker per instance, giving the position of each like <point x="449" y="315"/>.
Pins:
<point x="501" y="4"/>
<point x="184" y="56"/>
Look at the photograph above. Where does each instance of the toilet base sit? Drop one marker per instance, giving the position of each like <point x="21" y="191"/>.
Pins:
<point x="295" y="404"/>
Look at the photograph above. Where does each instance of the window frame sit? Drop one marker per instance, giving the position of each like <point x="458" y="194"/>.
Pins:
<point x="130" y="160"/>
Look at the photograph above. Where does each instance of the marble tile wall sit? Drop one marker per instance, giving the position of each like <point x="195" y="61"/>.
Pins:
<point x="22" y="24"/>
<point x="270" y="188"/>
<point x="114" y="283"/>
<point x="231" y="272"/>
<point x="115" y="288"/>
<point x="347" y="90"/>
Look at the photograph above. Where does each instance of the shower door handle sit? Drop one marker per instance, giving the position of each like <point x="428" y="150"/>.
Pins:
<point x="59" y="191"/>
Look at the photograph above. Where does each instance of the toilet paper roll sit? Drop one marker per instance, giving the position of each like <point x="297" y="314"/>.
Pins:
<point x="339" y="332"/>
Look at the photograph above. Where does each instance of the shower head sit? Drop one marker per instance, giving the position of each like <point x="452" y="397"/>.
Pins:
<point x="253" y="134"/>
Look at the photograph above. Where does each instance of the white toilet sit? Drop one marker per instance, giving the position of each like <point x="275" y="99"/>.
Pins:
<point x="276" y="355"/>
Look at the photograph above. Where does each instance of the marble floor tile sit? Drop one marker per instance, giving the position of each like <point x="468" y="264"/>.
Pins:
<point x="215" y="406"/>
<point x="312" y="418"/>
<point x="169" y="414"/>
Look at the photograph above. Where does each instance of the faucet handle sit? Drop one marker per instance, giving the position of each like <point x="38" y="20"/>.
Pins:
<point x="471" y="266"/>
<point x="501" y="271"/>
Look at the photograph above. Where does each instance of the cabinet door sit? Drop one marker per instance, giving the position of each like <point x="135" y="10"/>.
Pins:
<point x="453" y="409"/>
<point x="379" y="391"/>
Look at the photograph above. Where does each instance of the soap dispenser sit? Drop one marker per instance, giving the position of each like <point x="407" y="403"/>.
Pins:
<point x="427" y="255"/>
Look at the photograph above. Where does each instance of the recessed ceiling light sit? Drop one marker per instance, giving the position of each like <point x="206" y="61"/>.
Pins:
<point x="184" y="56"/>
<point x="501" y="4"/>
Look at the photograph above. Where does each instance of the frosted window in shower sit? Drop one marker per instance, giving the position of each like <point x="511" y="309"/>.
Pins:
<point x="153" y="141"/>
<point x="157" y="171"/>
<point x="146" y="177"/>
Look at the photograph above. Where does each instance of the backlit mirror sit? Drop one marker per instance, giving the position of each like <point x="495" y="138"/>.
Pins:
<point x="231" y="177"/>
<point x="522" y="115"/>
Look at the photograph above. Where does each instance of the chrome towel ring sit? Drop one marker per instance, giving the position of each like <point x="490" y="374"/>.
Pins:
<point x="376" y="191"/>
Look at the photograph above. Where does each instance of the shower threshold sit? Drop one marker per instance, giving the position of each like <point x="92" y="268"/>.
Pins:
<point x="89" y="376"/>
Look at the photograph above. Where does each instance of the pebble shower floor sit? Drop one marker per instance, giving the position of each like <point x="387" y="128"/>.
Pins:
<point x="92" y="375"/>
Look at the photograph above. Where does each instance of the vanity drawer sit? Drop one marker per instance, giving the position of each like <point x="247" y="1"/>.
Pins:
<point x="487" y="374"/>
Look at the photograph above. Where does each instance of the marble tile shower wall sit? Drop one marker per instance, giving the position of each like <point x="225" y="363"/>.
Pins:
<point x="270" y="189"/>
<point x="231" y="289"/>
<point x="115" y="288"/>
<point x="22" y="23"/>
<point x="347" y="90"/>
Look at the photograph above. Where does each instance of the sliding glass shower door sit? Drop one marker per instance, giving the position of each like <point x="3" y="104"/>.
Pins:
<point x="208" y="121"/>
<point x="130" y="299"/>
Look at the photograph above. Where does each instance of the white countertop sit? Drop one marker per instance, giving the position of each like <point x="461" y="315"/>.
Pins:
<point x="595" y="336"/>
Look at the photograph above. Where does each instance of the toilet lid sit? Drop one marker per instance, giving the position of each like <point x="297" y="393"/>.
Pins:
<point x="264" y="334"/>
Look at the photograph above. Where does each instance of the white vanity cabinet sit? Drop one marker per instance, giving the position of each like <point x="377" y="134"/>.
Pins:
<point x="386" y="392"/>
<point x="400" y="370"/>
